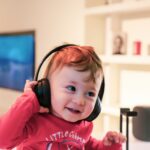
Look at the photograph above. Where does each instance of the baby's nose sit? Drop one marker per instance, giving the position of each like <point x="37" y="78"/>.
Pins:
<point x="80" y="100"/>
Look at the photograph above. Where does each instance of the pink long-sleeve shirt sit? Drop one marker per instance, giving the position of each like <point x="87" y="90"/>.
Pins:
<point x="27" y="129"/>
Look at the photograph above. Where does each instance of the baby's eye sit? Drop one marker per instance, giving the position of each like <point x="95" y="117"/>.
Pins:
<point x="71" y="88"/>
<point x="91" y="94"/>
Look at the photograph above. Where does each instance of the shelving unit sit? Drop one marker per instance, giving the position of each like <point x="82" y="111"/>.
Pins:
<point x="119" y="8"/>
<point x="134" y="60"/>
<point x="102" y="22"/>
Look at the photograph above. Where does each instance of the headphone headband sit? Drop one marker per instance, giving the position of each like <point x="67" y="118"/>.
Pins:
<point x="47" y="55"/>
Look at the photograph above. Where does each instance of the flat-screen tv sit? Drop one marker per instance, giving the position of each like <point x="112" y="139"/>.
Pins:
<point x="17" y="59"/>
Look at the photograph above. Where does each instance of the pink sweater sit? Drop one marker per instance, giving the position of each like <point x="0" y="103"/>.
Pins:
<point x="23" y="127"/>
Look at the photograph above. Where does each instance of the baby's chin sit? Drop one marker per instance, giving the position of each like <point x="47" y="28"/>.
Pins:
<point x="73" y="120"/>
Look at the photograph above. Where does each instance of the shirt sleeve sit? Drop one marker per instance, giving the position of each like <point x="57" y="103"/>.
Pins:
<point x="98" y="145"/>
<point x="13" y="129"/>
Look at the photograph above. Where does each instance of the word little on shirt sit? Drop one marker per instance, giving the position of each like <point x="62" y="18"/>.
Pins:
<point x="65" y="134"/>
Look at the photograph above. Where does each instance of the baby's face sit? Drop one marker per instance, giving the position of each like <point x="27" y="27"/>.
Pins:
<point x="73" y="97"/>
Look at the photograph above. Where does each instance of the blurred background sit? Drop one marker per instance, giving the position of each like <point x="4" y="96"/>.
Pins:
<point x="119" y="31"/>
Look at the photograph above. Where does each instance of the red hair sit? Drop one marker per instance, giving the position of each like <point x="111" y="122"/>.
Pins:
<point x="82" y="58"/>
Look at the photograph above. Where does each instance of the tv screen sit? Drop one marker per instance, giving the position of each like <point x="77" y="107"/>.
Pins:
<point x="17" y="59"/>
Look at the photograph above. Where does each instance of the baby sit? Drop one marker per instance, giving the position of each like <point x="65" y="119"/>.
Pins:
<point x="71" y="84"/>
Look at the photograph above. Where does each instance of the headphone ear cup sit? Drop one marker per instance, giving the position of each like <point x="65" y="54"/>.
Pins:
<point x="42" y="91"/>
<point x="96" y="111"/>
<point x="97" y="108"/>
<point x="102" y="88"/>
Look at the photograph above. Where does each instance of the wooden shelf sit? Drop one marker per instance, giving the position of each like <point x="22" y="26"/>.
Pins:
<point x="134" y="60"/>
<point x="119" y="8"/>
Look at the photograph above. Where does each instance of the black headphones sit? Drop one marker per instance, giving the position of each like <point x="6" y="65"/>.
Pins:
<point x="42" y="89"/>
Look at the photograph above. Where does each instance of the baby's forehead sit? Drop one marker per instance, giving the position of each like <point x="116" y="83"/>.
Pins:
<point x="94" y="76"/>
<point x="91" y="78"/>
<point x="93" y="81"/>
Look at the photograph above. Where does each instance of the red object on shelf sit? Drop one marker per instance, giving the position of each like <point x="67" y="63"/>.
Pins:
<point x="137" y="47"/>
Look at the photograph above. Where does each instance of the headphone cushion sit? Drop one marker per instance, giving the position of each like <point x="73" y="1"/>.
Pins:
<point x="97" y="108"/>
<point x="96" y="111"/>
<point x="42" y="91"/>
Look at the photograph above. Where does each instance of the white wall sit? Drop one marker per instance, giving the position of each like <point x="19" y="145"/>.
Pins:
<point x="55" y="21"/>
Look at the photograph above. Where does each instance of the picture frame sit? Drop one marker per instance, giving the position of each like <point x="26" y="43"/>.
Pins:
<point x="119" y="43"/>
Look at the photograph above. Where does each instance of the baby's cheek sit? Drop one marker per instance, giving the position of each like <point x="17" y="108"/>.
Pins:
<point x="90" y="108"/>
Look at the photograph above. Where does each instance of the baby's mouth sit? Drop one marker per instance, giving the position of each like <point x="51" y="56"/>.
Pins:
<point x="73" y="110"/>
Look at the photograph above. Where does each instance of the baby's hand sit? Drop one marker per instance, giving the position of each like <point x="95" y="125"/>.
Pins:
<point x="29" y="85"/>
<point x="113" y="137"/>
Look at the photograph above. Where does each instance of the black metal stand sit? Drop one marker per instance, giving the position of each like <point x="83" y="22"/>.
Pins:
<point x="127" y="113"/>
